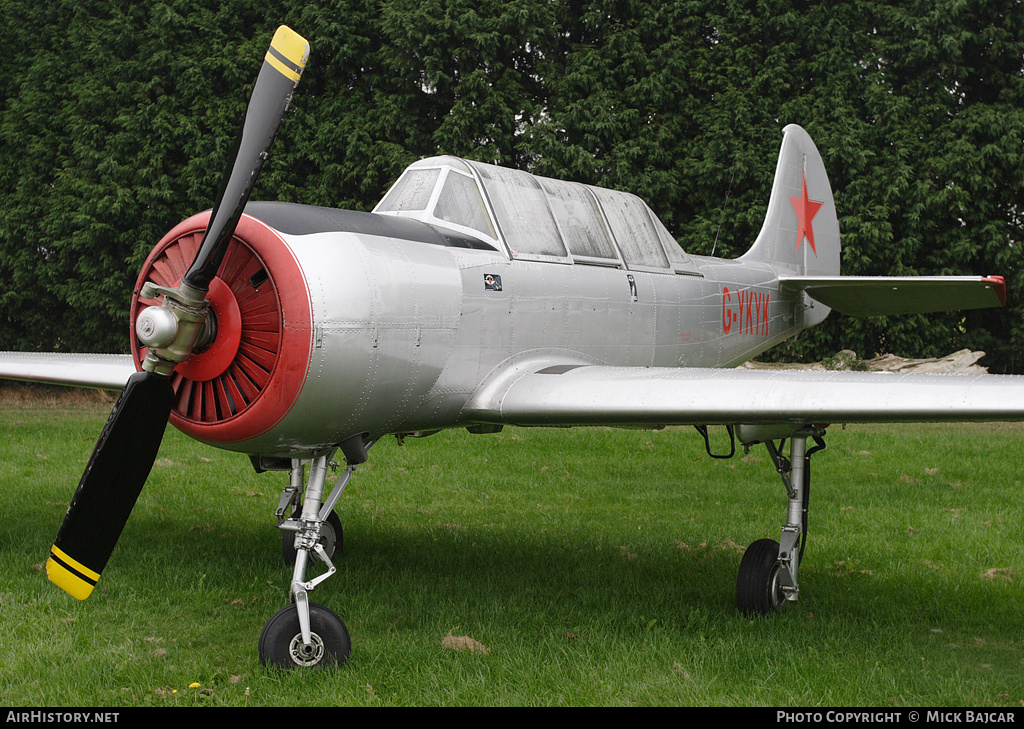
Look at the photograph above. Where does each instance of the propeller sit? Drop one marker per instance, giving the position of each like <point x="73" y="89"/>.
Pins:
<point x="128" y="444"/>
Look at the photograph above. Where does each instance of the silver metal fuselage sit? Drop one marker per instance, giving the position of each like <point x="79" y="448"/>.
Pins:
<point x="404" y="332"/>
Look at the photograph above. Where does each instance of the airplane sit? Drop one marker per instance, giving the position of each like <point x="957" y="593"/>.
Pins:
<point x="475" y="296"/>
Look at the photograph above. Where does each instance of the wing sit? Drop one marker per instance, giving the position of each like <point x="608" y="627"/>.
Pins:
<point x="102" y="371"/>
<point x="572" y="394"/>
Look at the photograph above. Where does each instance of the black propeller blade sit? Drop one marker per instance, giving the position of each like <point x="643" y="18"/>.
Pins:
<point x="282" y="67"/>
<point x="128" y="445"/>
<point x="111" y="484"/>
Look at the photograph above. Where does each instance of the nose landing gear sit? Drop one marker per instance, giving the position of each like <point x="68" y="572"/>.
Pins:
<point x="306" y="634"/>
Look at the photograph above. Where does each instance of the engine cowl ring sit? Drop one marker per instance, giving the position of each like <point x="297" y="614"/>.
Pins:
<point x="245" y="379"/>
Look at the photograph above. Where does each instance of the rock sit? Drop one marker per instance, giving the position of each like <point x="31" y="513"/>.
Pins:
<point x="962" y="362"/>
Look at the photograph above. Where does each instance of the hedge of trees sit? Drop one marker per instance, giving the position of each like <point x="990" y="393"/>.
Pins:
<point x="117" y="115"/>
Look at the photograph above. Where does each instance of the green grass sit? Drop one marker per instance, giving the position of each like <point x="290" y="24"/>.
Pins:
<point x="597" y="567"/>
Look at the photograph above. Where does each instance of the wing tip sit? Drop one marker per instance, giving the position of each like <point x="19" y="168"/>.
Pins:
<point x="998" y="283"/>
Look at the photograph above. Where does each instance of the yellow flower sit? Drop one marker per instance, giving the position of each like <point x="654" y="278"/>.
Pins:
<point x="193" y="685"/>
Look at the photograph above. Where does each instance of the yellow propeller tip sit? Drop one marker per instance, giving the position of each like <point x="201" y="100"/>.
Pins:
<point x="73" y="577"/>
<point x="288" y="52"/>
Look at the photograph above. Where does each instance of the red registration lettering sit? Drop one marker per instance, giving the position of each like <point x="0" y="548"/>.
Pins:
<point x="750" y="314"/>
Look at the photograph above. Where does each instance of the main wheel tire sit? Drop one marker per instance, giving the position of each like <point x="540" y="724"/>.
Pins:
<point x="331" y="537"/>
<point x="758" y="591"/>
<point x="281" y="643"/>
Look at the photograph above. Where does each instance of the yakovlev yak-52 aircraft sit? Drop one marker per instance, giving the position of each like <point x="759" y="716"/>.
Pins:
<point x="476" y="296"/>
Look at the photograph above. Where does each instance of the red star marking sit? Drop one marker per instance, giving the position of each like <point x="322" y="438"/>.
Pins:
<point x="806" y="209"/>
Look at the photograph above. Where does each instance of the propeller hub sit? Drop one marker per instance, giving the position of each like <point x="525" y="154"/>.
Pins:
<point x="183" y="312"/>
<point x="156" y="327"/>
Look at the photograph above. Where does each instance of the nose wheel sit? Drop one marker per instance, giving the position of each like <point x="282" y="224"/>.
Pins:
<point x="282" y="646"/>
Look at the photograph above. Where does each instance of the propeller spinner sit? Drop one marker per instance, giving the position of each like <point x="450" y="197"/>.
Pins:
<point x="128" y="445"/>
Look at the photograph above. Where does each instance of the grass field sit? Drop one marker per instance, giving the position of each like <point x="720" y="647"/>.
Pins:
<point x="531" y="567"/>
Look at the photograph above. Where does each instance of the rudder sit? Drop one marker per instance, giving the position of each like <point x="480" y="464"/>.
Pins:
<point x="801" y="227"/>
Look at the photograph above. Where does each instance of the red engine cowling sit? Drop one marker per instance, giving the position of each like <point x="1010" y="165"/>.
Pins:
<point x="249" y="378"/>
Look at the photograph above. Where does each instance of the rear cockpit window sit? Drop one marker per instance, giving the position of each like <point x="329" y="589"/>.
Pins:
<point x="579" y="220"/>
<point x="680" y="259"/>
<point x="633" y="229"/>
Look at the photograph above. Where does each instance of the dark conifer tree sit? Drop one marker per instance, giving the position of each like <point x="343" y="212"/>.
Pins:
<point x="116" y="116"/>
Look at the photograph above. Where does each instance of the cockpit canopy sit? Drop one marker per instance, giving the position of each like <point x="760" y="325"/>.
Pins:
<point x="536" y="218"/>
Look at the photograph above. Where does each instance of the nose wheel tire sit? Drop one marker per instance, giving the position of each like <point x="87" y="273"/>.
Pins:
<point x="281" y="645"/>
<point x="758" y="590"/>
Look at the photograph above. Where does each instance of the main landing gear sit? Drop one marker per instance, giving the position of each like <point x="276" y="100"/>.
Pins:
<point x="767" y="577"/>
<point x="305" y="634"/>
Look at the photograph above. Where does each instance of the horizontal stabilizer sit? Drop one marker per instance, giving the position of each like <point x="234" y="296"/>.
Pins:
<point x="882" y="295"/>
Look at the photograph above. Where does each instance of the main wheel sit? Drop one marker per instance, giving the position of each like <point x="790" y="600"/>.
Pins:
<point x="281" y="643"/>
<point x="758" y="591"/>
<point x="331" y="538"/>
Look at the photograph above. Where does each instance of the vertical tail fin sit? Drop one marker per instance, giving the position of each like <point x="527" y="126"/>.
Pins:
<point x="801" y="228"/>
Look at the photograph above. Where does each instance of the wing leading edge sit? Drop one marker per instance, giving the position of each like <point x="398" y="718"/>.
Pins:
<point x="572" y="394"/>
<point x="102" y="371"/>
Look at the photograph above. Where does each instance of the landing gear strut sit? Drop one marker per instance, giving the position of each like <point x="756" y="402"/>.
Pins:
<point x="332" y="538"/>
<point x="305" y="634"/>
<point x="767" y="577"/>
